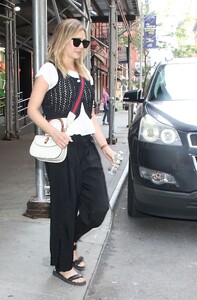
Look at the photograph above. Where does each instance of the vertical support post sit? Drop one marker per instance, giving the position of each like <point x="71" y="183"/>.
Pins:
<point x="39" y="47"/>
<point x="129" y="57"/>
<point x="112" y="73"/>
<point x="8" y="91"/>
<point x="39" y="206"/>
<point x="141" y="44"/>
<point x="86" y="5"/>
<point x="15" y="79"/>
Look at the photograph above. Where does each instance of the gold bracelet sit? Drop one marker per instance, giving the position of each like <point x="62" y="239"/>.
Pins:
<point x="102" y="147"/>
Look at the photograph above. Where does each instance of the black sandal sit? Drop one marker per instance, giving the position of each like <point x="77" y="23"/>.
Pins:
<point x="70" y="280"/>
<point x="76" y="262"/>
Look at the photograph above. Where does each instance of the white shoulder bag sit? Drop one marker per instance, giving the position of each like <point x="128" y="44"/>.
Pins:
<point x="44" y="148"/>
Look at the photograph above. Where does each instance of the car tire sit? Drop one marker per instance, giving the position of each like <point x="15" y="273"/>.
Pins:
<point x="131" y="200"/>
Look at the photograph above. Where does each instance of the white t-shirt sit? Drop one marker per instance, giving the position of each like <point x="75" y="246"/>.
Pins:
<point x="82" y="125"/>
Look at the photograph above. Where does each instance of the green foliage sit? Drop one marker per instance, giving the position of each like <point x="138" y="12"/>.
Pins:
<point x="185" y="51"/>
<point x="183" y="48"/>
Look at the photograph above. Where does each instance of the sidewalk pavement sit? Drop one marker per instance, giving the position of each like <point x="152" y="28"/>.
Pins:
<point x="24" y="243"/>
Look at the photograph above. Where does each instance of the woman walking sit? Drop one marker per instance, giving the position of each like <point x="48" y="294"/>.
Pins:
<point x="79" y="200"/>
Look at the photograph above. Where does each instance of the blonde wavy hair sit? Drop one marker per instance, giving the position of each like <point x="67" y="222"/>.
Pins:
<point x="63" y="33"/>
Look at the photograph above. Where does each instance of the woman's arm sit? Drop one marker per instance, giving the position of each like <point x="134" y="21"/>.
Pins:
<point x="101" y="140"/>
<point x="37" y="95"/>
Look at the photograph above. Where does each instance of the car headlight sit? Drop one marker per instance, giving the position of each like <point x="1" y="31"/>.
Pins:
<point x="152" y="131"/>
<point x="157" y="177"/>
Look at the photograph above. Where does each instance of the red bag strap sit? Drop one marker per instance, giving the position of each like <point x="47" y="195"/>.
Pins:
<point x="79" y="96"/>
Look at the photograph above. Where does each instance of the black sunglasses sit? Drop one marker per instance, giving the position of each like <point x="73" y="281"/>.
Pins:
<point x="77" y="42"/>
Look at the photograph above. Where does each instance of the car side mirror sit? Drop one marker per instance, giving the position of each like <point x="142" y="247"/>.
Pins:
<point x="133" y="96"/>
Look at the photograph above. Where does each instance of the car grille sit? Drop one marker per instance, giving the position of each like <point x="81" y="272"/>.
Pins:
<point x="192" y="139"/>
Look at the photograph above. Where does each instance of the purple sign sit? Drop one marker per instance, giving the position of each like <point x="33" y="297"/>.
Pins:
<point x="149" y="32"/>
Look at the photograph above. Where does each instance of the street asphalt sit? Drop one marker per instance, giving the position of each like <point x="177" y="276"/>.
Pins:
<point x="24" y="242"/>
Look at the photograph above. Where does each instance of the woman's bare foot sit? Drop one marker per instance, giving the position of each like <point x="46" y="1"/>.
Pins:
<point x="68" y="275"/>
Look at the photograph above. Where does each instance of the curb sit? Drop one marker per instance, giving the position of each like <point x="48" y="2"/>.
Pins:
<point x="117" y="190"/>
<point x="113" y="200"/>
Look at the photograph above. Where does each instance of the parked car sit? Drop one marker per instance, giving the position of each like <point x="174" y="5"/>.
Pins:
<point x="162" y="177"/>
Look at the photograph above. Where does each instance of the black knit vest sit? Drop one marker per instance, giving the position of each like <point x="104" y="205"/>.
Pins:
<point x="58" y="101"/>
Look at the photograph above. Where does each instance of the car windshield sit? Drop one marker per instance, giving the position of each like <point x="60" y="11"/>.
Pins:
<point x="175" y="82"/>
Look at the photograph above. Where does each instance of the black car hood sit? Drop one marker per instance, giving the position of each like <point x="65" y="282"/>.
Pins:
<point x="181" y="114"/>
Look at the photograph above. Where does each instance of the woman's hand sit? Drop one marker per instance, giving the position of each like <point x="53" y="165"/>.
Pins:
<point x="101" y="140"/>
<point x="62" y="139"/>
<point x="108" y="153"/>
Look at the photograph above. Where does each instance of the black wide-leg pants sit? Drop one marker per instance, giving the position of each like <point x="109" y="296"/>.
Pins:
<point x="79" y="199"/>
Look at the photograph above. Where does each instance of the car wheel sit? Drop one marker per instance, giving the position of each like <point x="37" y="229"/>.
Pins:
<point x="131" y="200"/>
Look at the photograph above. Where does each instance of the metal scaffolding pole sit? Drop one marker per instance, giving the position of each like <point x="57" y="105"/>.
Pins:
<point x="86" y="21"/>
<point x="8" y="90"/>
<point x="76" y="8"/>
<point x="39" y="50"/>
<point x="130" y="109"/>
<point x="11" y="93"/>
<point x="56" y="11"/>
<point x="112" y="73"/>
<point x="141" y="45"/>
<point x="15" y="76"/>
<point x="38" y="206"/>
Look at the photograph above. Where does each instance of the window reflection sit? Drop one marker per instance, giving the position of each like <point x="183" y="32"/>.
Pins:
<point x="175" y="82"/>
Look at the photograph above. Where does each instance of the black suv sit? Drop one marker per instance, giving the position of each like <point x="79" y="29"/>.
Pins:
<point x="162" y="178"/>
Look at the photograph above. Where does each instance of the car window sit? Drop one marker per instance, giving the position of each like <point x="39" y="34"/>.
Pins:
<point x="175" y="82"/>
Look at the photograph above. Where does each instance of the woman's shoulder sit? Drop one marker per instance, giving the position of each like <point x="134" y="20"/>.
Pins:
<point x="48" y="67"/>
<point x="49" y="73"/>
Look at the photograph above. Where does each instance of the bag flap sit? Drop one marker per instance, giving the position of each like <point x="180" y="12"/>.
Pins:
<point x="44" y="140"/>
